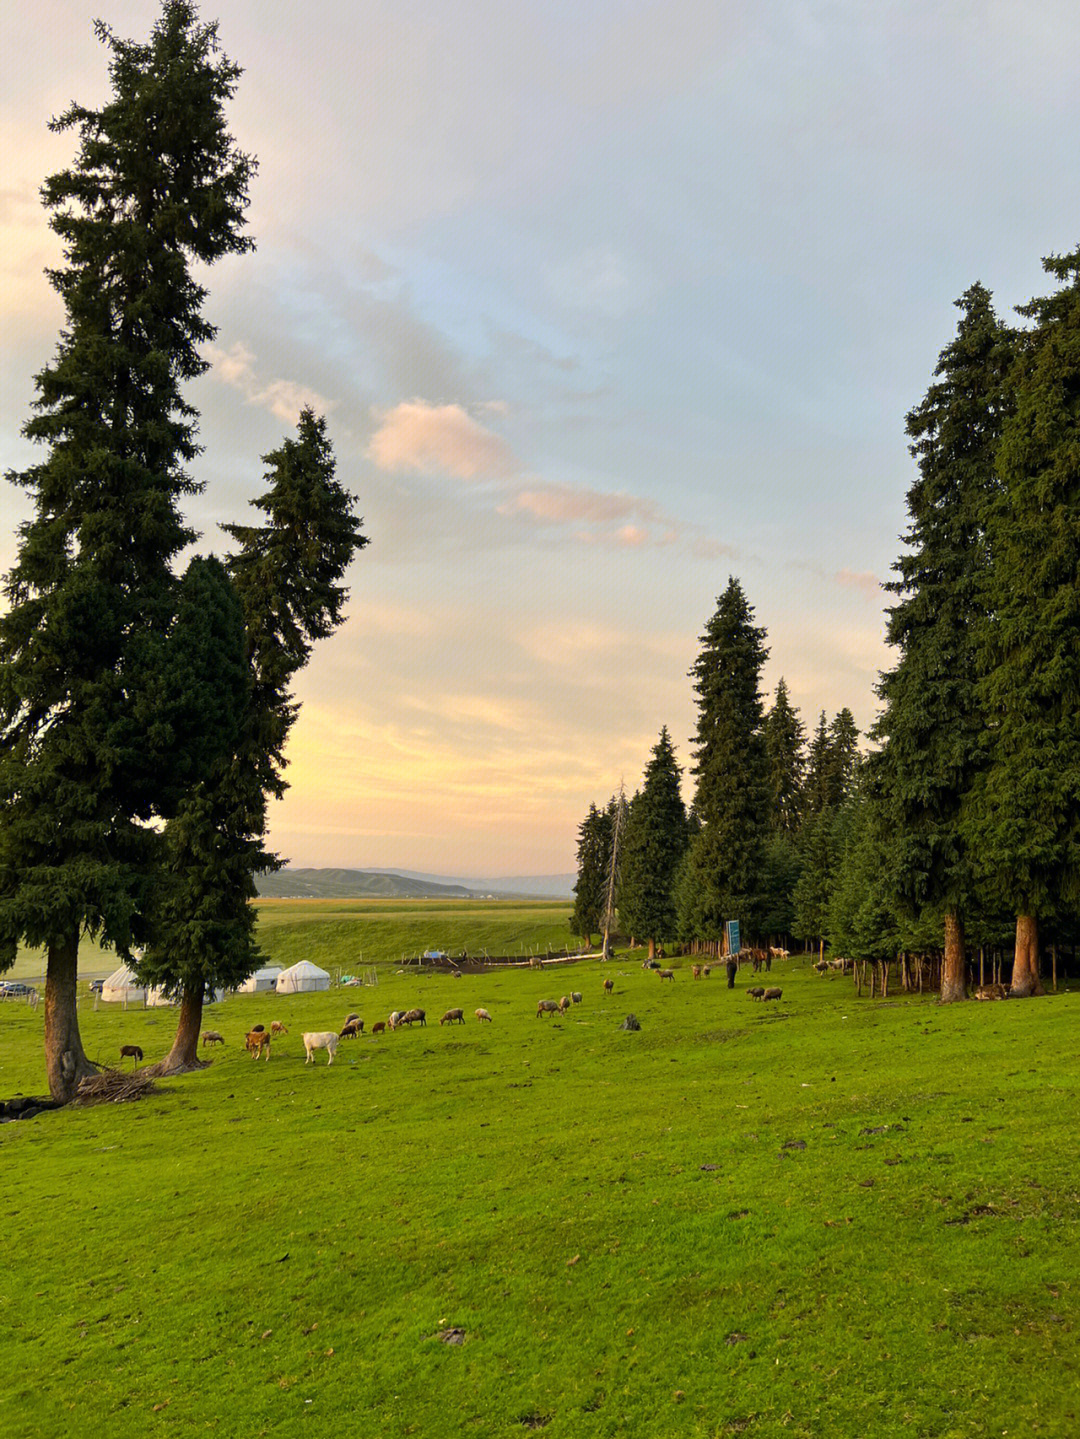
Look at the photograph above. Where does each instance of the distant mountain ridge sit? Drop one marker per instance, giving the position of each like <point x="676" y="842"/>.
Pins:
<point x="406" y="884"/>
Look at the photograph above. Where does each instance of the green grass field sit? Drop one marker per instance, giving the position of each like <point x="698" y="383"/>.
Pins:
<point x="827" y="1217"/>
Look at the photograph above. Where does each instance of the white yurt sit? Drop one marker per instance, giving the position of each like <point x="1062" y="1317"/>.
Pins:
<point x="157" y="998"/>
<point x="301" y="978"/>
<point x="262" y="980"/>
<point x="122" y="986"/>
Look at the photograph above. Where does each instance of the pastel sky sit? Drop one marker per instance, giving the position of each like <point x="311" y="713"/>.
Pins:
<point x="604" y="302"/>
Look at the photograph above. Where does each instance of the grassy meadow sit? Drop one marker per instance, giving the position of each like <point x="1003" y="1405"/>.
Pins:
<point x="828" y="1217"/>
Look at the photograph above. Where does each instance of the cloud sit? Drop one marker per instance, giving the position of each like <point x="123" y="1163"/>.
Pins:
<point x="562" y="504"/>
<point x="865" y="581"/>
<point x="283" y="398"/>
<point x="439" y="440"/>
<point x="598" y="517"/>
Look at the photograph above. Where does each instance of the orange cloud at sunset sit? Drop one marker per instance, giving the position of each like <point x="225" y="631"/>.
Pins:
<point x="439" y="439"/>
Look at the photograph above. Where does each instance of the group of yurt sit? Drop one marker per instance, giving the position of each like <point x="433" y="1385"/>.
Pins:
<point x="124" y="987"/>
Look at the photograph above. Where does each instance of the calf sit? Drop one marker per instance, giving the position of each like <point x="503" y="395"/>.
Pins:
<point x="483" y="1014"/>
<point x="256" y="1040"/>
<point x="211" y="1036"/>
<point x="547" y="1006"/>
<point x="131" y="1051"/>
<point x="772" y="994"/>
<point x="667" y="974"/>
<point x="321" y="1039"/>
<point x="453" y="1016"/>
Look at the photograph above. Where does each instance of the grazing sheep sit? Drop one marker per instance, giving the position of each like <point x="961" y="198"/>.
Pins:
<point x="575" y="996"/>
<point x="131" y="1051"/>
<point x="695" y="970"/>
<point x="756" y="993"/>
<point x="667" y="974"/>
<point x="564" y="1004"/>
<point x="256" y="1040"/>
<point x="321" y="1039"/>
<point x="547" y="1006"/>
<point x="609" y="986"/>
<point x="992" y="991"/>
<point x="351" y="1018"/>
<point x="705" y="970"/>
<point x="379" y="1027"/>
<point x="211" y="1036"/>
<point x="394" y="1019"/>
<point x="453" y="1016"/>
<point x="276" y="1027"/>
<point x="411" y="1016"/>
<point x="772" y="994"/>
<point x="353" y="1028"/>
<point x="483" y="1014"/>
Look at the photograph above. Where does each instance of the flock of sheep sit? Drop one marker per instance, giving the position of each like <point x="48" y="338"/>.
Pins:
<point x="258" y="1039"/>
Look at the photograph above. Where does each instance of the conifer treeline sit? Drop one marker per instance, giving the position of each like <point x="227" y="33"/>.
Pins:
<point x="960" y="830"/>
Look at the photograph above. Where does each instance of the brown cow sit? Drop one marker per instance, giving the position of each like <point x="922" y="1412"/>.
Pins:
<point x="256" y="1040"/>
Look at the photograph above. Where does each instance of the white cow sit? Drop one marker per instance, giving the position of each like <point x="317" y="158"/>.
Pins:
<point x="323" y="1039"/>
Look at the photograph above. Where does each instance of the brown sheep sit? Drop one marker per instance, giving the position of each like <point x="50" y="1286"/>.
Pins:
<point x="609" y="986"/>
<point x="667" y="974"/>
<point x="379" y="1027"/>
<point x="211" y="1036"/>
<point x="353" y="1029"/>
<point x="705" y="968"/>
<point x="695" y="970"/>
<point x="412" y="1016"/>
<point x="483" y="1014"/>
<point x="276" y="1027"/>
<point x="772" y="994"/>
<point x="453" y="1016"/>
<point x="564" y="1004"/>
<point x="256" y="1040"/>
<point x="131" y="1051"/>
<point x="547" y="1006"/>
<point x="756" y="993"/>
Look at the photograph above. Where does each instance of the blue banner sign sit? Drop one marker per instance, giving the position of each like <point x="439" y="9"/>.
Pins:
<point x="733" y="942"/>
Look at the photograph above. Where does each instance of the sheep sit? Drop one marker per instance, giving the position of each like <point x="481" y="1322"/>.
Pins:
<point x="609" y="986"/>
<point x="256" y="1040"/>
<point x="211" y="1036"/>
<point x="547" y="1006"/>
<point x="276" y="1027"/>
<point x="705" y="970"/>
<point x="353" y="1028"/>
<point x="667" y="974"/>
<point x="394" y="1019"/>
<point x="131" y="1051"/>
<point x="320" y="1039"/>
<point x="695" y="970"/>
<point x="483" y="1014"/>
<point x="772" y="994"/>
<point x="411" y="1016"/>
<point x="575" y="996"/>
<point x="453" y="1016"/>
<point x="379" y="1027"/>
<point x="756" y="993"/>
<point x="564" y="1004"/>
<point x="992" y="991"/>
<point x="350" y="1018"/>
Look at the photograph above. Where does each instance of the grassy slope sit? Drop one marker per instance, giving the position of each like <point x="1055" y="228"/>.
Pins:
<point x="268" y="1248"/>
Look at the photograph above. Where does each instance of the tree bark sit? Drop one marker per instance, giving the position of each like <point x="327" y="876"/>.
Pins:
<point x="184" y="1054"/>
<point x="65" y="1059"/>
<point x="1025" y="975"/>
<point x="652" y="948"/>
<point x="954" y="967"/>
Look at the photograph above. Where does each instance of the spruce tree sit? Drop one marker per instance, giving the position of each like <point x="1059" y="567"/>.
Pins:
<point x="656" y="838"/>
<point x="1026" y="815"/>
<point x="843" y="767"/>
<point x="722" y="877"/>
<point x="932" y="726"/>
<point x="286" y="586"/>
<point x="593" y="858"/>
<point x="156" y="187"/>
<point x="818" y="787"/>
<point x="785" y="743"/>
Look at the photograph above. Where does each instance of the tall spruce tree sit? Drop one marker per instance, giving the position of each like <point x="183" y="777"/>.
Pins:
<point x="818" y="790"/>
<point x="593" y="858"/>
<point x="286" y="585"/>
<point x="722" y="877"/>
<point x="785" y="746"/>
<point x="157" y="186"/>
<point x="932" y="725"/>
<point x="656" y="839"/>
<point x="1026" y="812"/>
<point x="844" y="760"/>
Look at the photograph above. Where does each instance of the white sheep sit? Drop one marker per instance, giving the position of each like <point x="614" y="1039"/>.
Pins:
<point x="321" y="1039"/>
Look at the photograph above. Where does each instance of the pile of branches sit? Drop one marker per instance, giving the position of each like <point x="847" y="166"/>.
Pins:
<point x="113" y="1087"/>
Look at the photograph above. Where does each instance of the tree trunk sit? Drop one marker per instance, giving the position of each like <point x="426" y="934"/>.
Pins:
<point x="953" y="969"/>
<point x="1025" y="975"/>
<point x="1053" y="964"/>
<point x="65" y="1059"/>
<point x="652" y="948"/>
<point x="184" y="1055"/>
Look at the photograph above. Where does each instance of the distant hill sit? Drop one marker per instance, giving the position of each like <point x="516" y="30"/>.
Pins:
<point x="353" y="884"/>
<point x="407" y="884"/>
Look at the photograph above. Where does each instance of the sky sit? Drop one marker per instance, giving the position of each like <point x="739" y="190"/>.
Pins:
<point x="604" y="303"/>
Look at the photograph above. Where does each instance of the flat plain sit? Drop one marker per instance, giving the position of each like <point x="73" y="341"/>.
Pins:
<point x="830" y="1216"/>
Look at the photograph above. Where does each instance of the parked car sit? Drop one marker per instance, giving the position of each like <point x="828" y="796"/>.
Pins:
<point x="10" y="988"/>
<point x="96" y="986"/>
